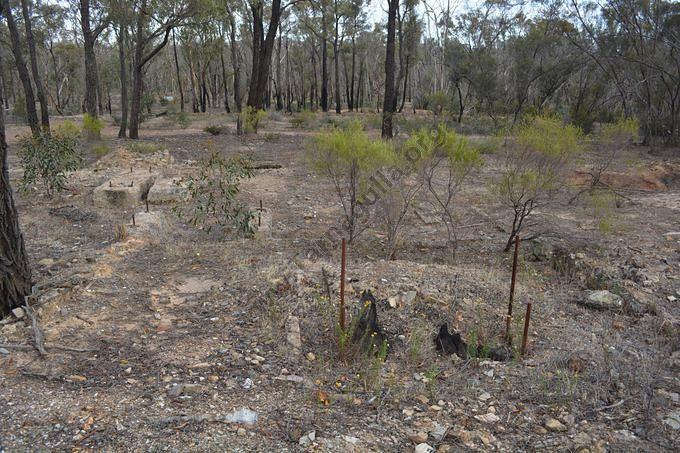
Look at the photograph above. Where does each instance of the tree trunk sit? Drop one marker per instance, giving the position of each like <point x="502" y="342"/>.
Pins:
<point x="235" y="61"/>
<point x="263" y="47"/>
<point x="141" y="59"/>
<point x="39" y="87"/>
<point x="31" y="113"/>
<point x="324" y="68"/>
<point x="123" y="81"/>
<point x="389" y="101"/>
<point x="179" y="79"/>
<point x="336" y="56"/>
<point x="91" y="77"/>
<point x="403" y="96"/>
<point x="224" y="83"/>
<point x="15" y="273"/>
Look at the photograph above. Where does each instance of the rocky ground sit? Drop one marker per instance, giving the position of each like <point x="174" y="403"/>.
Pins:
<point x="161" y="337"/>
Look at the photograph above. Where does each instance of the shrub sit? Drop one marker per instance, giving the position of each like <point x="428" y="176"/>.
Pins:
<point x="100" y="149"/>
<point x="249" y="120"/>
<point x="213" y="130"/>
<point x="610" y="145"/>
<point x="67" y="128"/>
<point x="438" y="102"/>
<point x="92" y="127"/>
<point x="534" y="167"/>
<point x="210" y="198"/>
<point x="348" y="157"/>
<point x="442" y="150"/>
<point x="183" y="119"/>
<point x="397" y="198"/>
<point x="47" y="158"/>
<point x="143" y="147"/>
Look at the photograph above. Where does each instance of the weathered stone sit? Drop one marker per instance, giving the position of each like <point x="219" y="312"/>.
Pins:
<point x="673" y="420"/>
<point x="293" y="335"/>
<point x="555" y="425"/>
<point x="602" y="300"/>
<point x="123" y="191"/>
<point x="424" y="448"/>
<point x="18" y="312"/>
<point x="166" y="190"/>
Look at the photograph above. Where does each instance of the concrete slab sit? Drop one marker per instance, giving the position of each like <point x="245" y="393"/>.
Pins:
<point x="165" y="191"/>
<point x="124" y="191"/>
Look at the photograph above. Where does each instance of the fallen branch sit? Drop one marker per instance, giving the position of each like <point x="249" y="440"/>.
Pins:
<point x="27" y="347"/>
<point x="38" y="337"/>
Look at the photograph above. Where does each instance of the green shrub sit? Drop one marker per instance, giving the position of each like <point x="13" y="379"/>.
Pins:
<point x="210" y="198"/>
<point x="439" y="102"/>
<point x="143" y="147"/>
<point x="100" y="149"/>
<point x="271" y="137"/>
<point x="183" y="119"/>
<point x="535" y="167"/>
<point x="92" y="127"/>
<point x="47" y="158"/>
<point x="348" y="157"/>
<point x="213" y="130"/>
<point x="250" y="120"/>
<point x="437" y="151"/>
<point x="67" y="128"/>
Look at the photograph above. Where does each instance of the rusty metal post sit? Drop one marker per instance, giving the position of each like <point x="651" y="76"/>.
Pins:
<point x="527" y="317"/>
<point x="259" y="215"/>
<point x="508" y="321"/>
<point x="133" y="219"/>
<point x="147" y="204"/>
<point x="342" y="285"/>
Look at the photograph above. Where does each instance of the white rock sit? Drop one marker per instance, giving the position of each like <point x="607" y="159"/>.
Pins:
<point x="424" y="448"/>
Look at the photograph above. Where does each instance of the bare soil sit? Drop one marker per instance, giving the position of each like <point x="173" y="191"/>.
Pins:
<point x="127" y="321"/>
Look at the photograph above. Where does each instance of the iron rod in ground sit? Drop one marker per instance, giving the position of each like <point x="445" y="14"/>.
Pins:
<point x="508" y="321"/>
<point x="527" y="317"/>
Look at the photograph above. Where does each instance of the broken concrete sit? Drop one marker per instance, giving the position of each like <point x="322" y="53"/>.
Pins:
<point x="124" y="191"/>
<point x="166" y="190"/>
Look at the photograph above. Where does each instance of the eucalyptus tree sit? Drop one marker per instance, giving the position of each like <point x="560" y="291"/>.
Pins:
<point x="15" y="273"/>
<point x="94" y="19"/>
<point x="155" y="20"/>
<point x="20" y="63"/>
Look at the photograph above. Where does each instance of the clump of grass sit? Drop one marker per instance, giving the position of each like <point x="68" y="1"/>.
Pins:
<point x="100" y="149"/>
<point x="271" y="137"/>
<point x="143" y="147"/>
<point x="213" y="130"/>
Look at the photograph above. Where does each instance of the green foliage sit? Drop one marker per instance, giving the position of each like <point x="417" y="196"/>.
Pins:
<point x="603" y="203"/>
<point x="92" y="127"/>
<point x="213" y="130"/>
<point x="210" y="198"/>
<point x="348" y="157"/>
<point x="141" y="147"/>
<point x="534" y="168"/>
<point x="47" y="158"/>
<point x="620" y="133"/>
<point x="147" y="101"/>
<point x="100" y="149"/>
<point x="438" y="102"/>
<point x="437" y="151"/>
<point x="251" y="119"/>
<point x="67" y="128"/>
<point x="183" y="119"/>
<point x="271" y="137"/>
